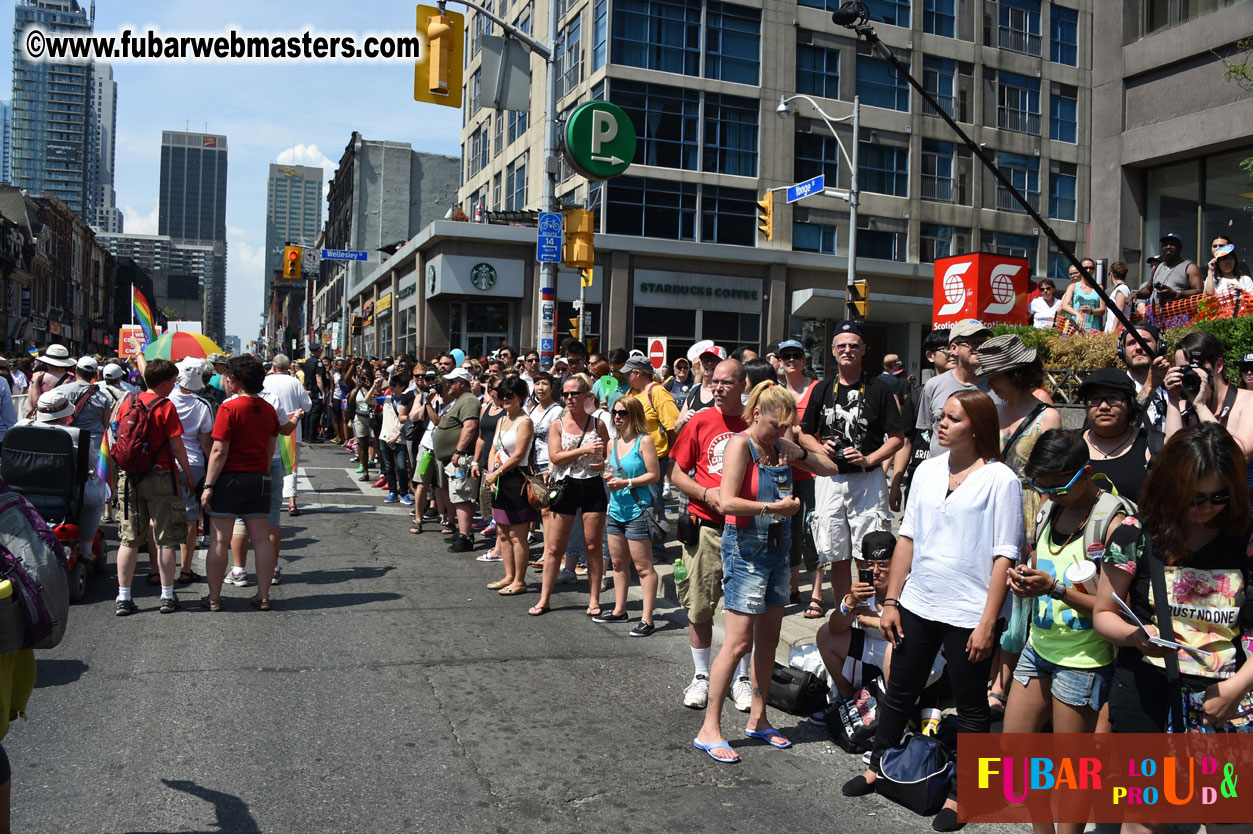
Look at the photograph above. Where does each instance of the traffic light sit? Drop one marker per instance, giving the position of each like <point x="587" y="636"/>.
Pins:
<point x="574" y="327"/>
<point x="293" y="257"/>
<point x="437" y="75"/>
<point x="858" y="301"/>
<point x="579" y="249"/>
<point x="765" y="217"/>
<point x="357" y="324"/>
<point x="588" y="274"/>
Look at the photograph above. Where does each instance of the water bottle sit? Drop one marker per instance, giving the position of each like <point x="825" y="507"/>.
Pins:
<point x="930" y="721"/>
<point x="680" y="569"/>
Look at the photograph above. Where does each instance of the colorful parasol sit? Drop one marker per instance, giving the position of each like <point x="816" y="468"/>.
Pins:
<point x="180" y="345"/>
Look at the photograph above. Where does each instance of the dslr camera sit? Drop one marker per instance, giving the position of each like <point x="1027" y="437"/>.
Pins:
<point x="1191" y="382"/>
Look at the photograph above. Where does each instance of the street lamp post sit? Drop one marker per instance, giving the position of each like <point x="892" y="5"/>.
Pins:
<point x="852" y="195"/>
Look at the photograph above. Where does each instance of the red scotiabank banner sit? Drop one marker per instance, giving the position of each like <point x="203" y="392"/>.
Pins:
<point x="990" y="288"/>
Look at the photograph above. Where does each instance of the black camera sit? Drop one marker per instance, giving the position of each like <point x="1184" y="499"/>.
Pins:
<point x="1191" y="381"/>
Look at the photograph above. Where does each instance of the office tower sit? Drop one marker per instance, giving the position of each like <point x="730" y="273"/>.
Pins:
<point x="108" y="217"/>
<point x="293" y="212"/>
<point x="6" y="138"/>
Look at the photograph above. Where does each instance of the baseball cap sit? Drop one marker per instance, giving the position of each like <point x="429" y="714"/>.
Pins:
<point x="790" y="344"/>
<point x="966" y="328"/>
<point x="637" y="363"/>
<point x="113" y="371"/>
<point x="1172" y="236"/>
<point x="877" y="544"/>
<point x="52" y="406"/>
<point x="86" y="363"/>
<point x="850" y="327"/>
<point x="459" y="373"/>
<point x="1247" y="360"/>
<point x="696" y="351"/>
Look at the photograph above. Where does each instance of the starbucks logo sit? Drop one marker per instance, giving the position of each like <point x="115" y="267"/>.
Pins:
<point x="430" y="279"/>
<point x="483" y="276"/>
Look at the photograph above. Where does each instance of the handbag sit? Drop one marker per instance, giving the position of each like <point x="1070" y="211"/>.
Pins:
<point x="917" y="774"/>
<point x="796" y="691"/>
<point x="689" y="529"/>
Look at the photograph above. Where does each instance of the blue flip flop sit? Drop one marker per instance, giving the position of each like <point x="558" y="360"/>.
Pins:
<point x="765" y="735"/>
<point x="710" y="748"/>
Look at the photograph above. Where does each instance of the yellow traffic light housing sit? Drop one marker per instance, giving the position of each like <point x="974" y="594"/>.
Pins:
<point x="437" y="75"/>
<point x="574" y="327"/>
<point x="579" y="252"/>
<point x="765" y="217"/>
<point x="588" y="274"/>
<point x="357" y="324"/>
<point x="858" y="301"/>
<point x="293" y="257"/>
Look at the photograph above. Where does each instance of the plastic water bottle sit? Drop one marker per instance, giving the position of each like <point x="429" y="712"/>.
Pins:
<point x="680" y="569"/>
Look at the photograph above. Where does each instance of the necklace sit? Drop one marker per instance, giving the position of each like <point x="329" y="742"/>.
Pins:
<point x="1048" y="541"/>
<point x="1126" y="439"/>
<point x="956" y="479"/>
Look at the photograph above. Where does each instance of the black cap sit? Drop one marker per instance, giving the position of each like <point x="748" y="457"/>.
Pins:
<point x="877" y="545"/>
<point x="850" y="327"/>
<point x="1110" y="378"/>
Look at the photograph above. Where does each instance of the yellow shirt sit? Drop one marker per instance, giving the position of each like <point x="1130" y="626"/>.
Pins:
<point x="660" y="413"/>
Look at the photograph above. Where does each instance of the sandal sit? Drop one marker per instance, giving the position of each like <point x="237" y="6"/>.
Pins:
<point x="153" y="579"/>
<point x="260" y="603"/>
<point x="815" y="609"/>
<point x="211" y="604"/>
<point x="538" y="610"/>
<point x="997" y="708"/>
<point x="498" y="584"/>
<point x="187" y="577"/>
<point x="415" y="528"/>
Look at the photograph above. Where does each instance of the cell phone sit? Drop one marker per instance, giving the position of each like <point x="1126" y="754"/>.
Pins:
<point x="865" y="575"/>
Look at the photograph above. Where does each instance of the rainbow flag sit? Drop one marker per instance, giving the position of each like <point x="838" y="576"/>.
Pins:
<point x="104" y="463"/>
<point x="143" y="314"/>
<point x="287" y="448"/>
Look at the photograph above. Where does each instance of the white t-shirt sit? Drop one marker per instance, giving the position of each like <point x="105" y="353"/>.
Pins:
<point x="543" y="419"/>
<point x="1116" y="295"/>
<point x="197" y="419"/>
<point x="1042" y="314"/>
<point x="957" y="538"/>
<point x="286" y="394"/>
<point x="1227" y="285"/>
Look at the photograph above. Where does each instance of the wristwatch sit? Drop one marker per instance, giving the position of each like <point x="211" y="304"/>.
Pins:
<point x="1058" y="591"/>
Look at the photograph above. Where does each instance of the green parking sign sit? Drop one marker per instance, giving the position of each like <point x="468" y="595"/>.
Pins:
<point x="600" y="140"/>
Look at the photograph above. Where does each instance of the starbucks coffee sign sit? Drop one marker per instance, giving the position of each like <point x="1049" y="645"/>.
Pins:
<point x="479" y="277"/>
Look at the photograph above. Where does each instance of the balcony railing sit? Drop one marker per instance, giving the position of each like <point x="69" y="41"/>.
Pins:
<point x="939" y="189"/>
<point x="1017" y="40"/>
<point x="1006" y="202"/>
<point x="1019" y="121"/>
<point x="946" y="104"/>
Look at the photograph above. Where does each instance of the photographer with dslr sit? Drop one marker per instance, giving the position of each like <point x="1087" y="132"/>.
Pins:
<point x="1197" y="391"/>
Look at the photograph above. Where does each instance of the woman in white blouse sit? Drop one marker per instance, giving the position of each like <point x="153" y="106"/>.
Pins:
<point x="962" y="529"/>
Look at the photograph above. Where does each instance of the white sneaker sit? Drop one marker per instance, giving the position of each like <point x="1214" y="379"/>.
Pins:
<point x="696" y="696"/>
<point x="239" y="580"/>
<point x="566" y="577"/>
<point x="665" y="490"/>
<point x="742" y="694"/>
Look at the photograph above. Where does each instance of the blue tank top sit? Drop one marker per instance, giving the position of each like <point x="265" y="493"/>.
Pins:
<point x="1088" y="298"/>
<point x="626" y="504"/>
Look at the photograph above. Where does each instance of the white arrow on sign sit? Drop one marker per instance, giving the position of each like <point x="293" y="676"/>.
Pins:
<point x="612" y="160"/>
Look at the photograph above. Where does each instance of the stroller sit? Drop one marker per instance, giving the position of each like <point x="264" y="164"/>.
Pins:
<point x="48" y="465"/>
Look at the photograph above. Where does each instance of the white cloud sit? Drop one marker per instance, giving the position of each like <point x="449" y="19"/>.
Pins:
<point x="305" y="155"/>
<point x="138" y="223"/>
<point x="245" y="282"/>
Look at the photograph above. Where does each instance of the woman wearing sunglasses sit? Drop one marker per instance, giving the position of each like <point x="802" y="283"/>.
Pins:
<point x="510" y="449"/>
<point x="1192" y="531"/>
<point x="1064" y="673"/>
<point x="633" y="465"/>
<point x="1118" y="446"/>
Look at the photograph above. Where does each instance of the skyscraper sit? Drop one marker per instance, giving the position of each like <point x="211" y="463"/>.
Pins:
<point x="52" y="118"/>
<point x="6" y="139"/>
<point x="293" y="212"/>
<point x="107" y="217"/>
<point x="192" y="207"/>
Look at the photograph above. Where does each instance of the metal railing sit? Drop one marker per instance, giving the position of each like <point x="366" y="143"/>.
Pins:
<point x="945" y="102"/>
<point x="1016" y="40"/>
<point x="939" y="189"/>
<point x="1019" y="121"/>
<point x="1006" y="202"/>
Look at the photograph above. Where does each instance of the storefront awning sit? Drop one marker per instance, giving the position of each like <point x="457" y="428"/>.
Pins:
<point x="817" y="303"/>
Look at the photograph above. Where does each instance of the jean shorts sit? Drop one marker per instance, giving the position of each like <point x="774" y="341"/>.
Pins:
<point x="635" y="530"/>
<point x="753" y="574"/>
<point x="1074" y="687"/>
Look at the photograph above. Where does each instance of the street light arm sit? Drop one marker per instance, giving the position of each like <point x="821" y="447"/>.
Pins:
<point x="864" y="30"/>
<point x="538" y="48"/>
<point x="829" y="120"/>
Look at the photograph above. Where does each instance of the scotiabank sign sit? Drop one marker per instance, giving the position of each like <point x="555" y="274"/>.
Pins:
<point x="990" y="288"/>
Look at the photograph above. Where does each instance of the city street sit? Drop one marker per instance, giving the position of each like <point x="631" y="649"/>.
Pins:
<point x="390" y="691"/>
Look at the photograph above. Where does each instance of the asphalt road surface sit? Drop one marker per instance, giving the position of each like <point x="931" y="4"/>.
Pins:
<point x="390" y="691"/>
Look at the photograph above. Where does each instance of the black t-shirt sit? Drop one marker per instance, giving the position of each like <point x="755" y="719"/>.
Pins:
<point x="695" y="401"/>
<point x="313" y="370"/>
<point x="859" y="414"/>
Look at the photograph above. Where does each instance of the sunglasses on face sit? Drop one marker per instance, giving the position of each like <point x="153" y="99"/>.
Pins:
<point x="847" y="348"/>
<point x="619" y="412"/>
<point x="1218" y="499"/>
<point x="1061" y="491"/>
<point x="793" y="357"/>
<point x="1111" y="400"/>
<point x="506" y="395"/>
<point x="569" y="394"/>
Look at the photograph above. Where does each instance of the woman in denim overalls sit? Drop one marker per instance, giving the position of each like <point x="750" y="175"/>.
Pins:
<point x="756" y="495"/>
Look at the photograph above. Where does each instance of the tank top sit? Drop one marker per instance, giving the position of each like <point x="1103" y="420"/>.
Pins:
<point x="580" y="467"/>
<point x="505" y="443"/>
<point x="762" y="482"/>
<point x="1084" y="297"/>
<point x="1059" y="633"/>
<point x="801" y="404"/>
<point x="624" y="504"/>
<point x="1128" y="471"/>
<point x="487" y="429"/>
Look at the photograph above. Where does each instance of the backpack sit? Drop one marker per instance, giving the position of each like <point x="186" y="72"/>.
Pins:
<point x="131" y="450"/>
<point x="34" y="616"/>
<point x="1100" y="519"/>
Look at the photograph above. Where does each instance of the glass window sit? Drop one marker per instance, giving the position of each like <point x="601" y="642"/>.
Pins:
<point x="1018" y="103"/>
<point x="496" y="203"/>
<point x="895" y="12"/>
<point x="937" y="170"/>
<point x="1019" y="29"/>
<point x="730" y="328"/>
<point x="1063" y="185"/>
<point x="816" y="153"/>
<point x="813" y="237"/>
<point x="1019" y="246"/>
<point x="1063" y="110"/>
<point x="732" y="43"/>
<point x="938" y="75"/>
<point x="600" y="31"/>
<point x="879" y="85"/>
<point x="657" y="34"/>
<point x="569" y="57"/>
<point x="515" y="185"/>
<point x="1059" y="265"/>
<point x="883" y="244"/>
<point x="1024" y="173"/>
<point x="938" y="17"/>
<point x="817" y="71"/>
<point x="666" y="121"/>
<point x="934" y="242"/>
<point x="1173" y="194"/>
<point x="677" y="324"/>
<point x="1064" y="44"/>
<point x="883" y="168"/>
<point x="1226" y="208"/>
<point x="728" y="215"/>
<point x="651" y="208"/>
<point x="499" y="135"/>
<point x="730" y="135"/>
<point x="517" y="123"/>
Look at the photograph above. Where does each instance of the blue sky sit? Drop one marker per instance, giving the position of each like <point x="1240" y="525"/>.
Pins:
<point x="300" y="113"/>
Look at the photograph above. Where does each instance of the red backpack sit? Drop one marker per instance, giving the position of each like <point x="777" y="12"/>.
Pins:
<point x="131" y="450"/>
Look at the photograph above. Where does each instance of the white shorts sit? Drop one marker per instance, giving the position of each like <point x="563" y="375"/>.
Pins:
<point x="846" y="508"/>
<point x="874" y="653"/>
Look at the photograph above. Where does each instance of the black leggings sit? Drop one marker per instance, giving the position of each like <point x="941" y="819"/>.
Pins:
<point x="911" y="663"/>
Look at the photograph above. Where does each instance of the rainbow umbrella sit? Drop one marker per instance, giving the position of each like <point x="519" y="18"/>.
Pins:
<point x="180" y="345"/>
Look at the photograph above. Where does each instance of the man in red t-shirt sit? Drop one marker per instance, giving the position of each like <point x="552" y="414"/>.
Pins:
<point x="156" y="496"/>
<point x="697" y="456"/>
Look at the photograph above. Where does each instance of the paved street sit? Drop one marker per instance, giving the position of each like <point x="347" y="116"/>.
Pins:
<point x="390" y="691"/>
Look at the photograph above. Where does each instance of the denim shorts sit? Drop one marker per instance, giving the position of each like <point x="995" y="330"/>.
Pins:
<point x="1074" y="687"/>
<point x="635" y="530"/>
<point x="753" y="575"/>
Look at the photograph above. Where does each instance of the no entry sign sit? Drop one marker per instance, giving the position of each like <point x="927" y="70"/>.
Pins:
<point x="657" y="351"/>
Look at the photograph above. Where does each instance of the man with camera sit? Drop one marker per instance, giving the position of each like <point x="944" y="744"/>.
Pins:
<point x="1175" y="277"/>
<point x="1197" y="391"/>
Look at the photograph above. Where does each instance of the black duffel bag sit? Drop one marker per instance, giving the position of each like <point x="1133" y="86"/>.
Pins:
<point x="796" y="691"/>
